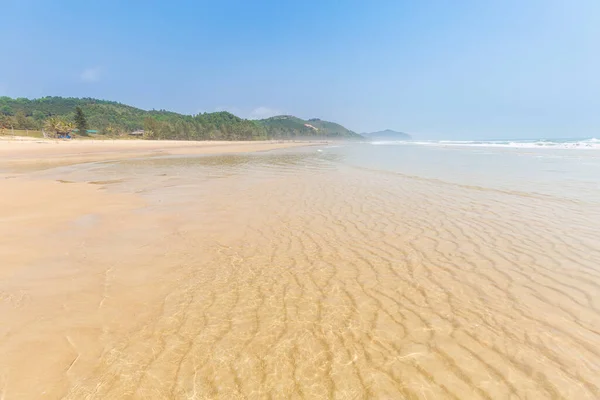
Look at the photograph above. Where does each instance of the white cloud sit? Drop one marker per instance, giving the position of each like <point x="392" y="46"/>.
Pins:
<point x="92" y="74"/>
<point x="263" y="112"/>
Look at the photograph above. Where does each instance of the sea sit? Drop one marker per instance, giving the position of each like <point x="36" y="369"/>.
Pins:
<point x="563" y="168"/>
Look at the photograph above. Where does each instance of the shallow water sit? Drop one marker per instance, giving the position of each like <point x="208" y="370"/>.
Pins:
<point x="346" y="272"/>
<point x="555" y="171"/>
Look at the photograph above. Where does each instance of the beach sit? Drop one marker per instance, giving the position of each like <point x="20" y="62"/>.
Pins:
<point x="279" y="270"/>
<point x="26" y="151"/>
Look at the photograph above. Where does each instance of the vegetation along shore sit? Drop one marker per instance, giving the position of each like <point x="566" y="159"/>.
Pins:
<point x="85" y="117"/>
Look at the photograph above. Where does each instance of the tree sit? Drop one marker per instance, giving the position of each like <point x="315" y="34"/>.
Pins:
<point x="57" y="126"/>
<point x="80" y="121"/>
<point x="21" y="120"/>
<point x="6" y="110"/>
<point x="110" y="130"/>
<point x="67" y="127"/>
<point x="38" y="115"/>
<point x="152" y="128"/>
<point x="5" y="122"/>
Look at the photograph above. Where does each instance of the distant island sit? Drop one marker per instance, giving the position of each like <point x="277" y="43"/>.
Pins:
<point x="388" y="134"/>
<point x="68" y="116"/>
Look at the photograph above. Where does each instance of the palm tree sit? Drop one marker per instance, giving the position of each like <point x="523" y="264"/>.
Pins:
<point x="57" y="126"/>
<point x="67" y="127"/>
<point x="53" y="126"/>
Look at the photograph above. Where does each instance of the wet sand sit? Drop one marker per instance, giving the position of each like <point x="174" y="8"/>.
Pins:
<point x="290" y="275"/>
<point x="26" y="151"/>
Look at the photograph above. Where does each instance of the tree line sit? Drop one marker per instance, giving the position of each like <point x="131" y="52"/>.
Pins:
<point x="60" y="115"/>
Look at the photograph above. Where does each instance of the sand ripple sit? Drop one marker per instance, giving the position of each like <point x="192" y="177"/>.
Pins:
<point x="294" y="277"/>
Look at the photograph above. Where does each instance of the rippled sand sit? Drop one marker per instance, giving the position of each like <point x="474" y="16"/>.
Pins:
<point x="293" y="276"/>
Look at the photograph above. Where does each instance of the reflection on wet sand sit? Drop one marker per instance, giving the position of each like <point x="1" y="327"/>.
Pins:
<point x="292" y="276"/>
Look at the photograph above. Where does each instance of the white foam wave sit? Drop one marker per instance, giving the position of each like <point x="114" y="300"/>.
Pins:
<point x="592" y="143"/>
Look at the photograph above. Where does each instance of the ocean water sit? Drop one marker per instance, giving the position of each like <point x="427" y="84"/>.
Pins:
<point x="347" y="271"/>
<point x="567" y="169"/>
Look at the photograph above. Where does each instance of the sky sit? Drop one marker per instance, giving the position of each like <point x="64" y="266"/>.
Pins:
<point x="437" y="69"/>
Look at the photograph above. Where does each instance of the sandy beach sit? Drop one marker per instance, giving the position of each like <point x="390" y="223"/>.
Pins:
<point x="16" y="151"/>
<point x="285" y="274"/>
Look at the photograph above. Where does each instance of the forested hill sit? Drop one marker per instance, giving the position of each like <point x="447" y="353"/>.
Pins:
<point x="294" y="126"/>
<point x="114" y="119"/>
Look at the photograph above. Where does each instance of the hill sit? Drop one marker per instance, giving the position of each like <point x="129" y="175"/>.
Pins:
<point x="116" y="119"/>
<point x="290" y="126"/>
<point x="388" y="134"/>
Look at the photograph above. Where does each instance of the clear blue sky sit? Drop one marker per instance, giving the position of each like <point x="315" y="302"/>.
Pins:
<point x="438" y="69"/>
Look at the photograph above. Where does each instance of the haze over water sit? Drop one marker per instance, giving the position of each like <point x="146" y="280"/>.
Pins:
<point x="345" y="271"/>
<point x="562" y="168"/>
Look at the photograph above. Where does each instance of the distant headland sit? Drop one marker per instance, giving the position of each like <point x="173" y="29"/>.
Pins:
<point x="387" y="134"/>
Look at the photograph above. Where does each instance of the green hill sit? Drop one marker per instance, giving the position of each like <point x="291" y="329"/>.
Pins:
<point x="332" y="129"/>
<point x="290" y="126"/>
<point x="113" y="118"/>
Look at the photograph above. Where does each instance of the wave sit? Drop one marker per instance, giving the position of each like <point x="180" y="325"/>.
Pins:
<point x="589" y="143"/>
